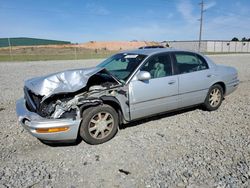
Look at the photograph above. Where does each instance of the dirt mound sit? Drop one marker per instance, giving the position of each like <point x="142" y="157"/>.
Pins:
<point x="104" y="45"/>
<point x="116" y="45"/>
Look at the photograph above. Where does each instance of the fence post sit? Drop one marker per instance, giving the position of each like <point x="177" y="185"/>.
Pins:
<point x="10" y="49"/>
<point x="75" y="53"/>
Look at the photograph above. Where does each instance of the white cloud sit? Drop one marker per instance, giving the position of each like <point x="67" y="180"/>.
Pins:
<point x="95" y="8"/>
<point x="209" y="5"/>
<point x="186" y="9"/>
<point x="226" y="27"/>
<point x="158" y="32"/>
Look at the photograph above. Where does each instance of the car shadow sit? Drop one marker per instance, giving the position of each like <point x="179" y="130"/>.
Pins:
<point x="62" y="143"/>
<point x="159" y="116"/>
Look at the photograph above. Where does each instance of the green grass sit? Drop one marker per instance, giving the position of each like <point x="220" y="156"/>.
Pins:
<point x="4" y="58"/>
<point x="63" y="53"/>
<point x="43" y="54"/>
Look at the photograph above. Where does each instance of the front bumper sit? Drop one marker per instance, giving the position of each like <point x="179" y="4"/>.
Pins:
<point x="32" y="121"/>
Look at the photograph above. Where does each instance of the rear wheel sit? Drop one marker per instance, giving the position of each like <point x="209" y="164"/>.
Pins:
<point x="99" y="124"/>
<point x="214" y="98"/>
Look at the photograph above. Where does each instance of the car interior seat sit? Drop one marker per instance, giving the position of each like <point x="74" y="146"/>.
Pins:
<point x="158" y="71"/>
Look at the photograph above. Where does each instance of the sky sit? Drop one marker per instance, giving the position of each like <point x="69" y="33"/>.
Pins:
<point x="117" y="20"/>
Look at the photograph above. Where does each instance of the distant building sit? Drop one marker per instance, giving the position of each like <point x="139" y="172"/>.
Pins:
<point x="23" y="41"/>
<point x="211" y="45"/>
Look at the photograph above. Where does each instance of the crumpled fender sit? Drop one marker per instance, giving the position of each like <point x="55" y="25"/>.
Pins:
<point x="61" y="82"/>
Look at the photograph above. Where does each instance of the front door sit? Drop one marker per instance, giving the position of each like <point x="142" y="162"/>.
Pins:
<point x="156" y="95"/>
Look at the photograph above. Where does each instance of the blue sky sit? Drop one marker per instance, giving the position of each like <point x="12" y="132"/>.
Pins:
<point x="109" y="20"/>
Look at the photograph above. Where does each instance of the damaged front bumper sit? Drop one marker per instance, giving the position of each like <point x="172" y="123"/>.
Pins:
<point x="62" y="129"/>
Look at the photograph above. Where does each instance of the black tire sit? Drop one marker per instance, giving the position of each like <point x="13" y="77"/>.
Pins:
<point x="99" y="124"/>
<point x="213" y="103"/>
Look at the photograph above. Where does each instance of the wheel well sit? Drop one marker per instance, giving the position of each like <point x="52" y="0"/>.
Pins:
<point x="222" y="84"/>
<point x="87" y="105"/>
<point x="116" y="107"/>
<point x="111" y="101"/>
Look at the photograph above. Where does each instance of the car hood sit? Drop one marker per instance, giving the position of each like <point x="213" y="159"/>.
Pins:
<point x="61" y="82"/>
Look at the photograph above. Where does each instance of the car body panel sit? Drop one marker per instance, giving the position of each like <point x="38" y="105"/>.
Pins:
<point x="153" y="96"/>
<point x="61" y="82"/>
<point x="229" y="76"/>
<point x="193" y="87"/>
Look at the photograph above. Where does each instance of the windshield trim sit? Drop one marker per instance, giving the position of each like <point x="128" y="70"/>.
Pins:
<point x="102" y="65"/>
<point x="137" y="69"/>
<point x="113" y="76"/>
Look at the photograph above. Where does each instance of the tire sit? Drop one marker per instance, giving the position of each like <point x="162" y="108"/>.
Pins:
<point x="99" y="124"/>
<point x="214" y="98"/>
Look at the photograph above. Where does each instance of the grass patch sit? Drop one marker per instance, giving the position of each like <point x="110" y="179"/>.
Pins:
<point x="47" y="53"/>
<point x="4" y="58"/>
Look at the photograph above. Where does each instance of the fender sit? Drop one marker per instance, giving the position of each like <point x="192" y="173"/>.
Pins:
<point x="115" y="103"/>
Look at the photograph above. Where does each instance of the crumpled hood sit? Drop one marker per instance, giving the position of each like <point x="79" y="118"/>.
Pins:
<point x="61" y="82"/>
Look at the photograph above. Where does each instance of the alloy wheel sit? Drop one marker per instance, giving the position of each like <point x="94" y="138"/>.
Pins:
<point x="100" y="125"/>
<point x="215" y="97"/>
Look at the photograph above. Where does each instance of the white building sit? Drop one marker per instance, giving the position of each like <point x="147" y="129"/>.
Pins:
<point x="211" y="45"/>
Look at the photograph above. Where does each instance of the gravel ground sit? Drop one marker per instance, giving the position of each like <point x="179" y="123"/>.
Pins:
<point x="191" y="148"/>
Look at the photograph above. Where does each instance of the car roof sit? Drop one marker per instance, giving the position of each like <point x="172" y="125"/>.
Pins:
<point x="152" y="51"/>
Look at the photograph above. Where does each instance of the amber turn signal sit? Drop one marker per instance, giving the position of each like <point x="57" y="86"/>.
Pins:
<point x="52" y="130"/>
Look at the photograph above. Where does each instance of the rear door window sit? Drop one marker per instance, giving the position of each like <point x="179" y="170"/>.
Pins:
<point x="189" y="62"/>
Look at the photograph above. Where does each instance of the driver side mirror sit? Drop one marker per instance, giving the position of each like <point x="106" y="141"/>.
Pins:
<point x="143" y="75"/>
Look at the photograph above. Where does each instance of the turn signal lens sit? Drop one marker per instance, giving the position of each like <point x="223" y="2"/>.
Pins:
<point x="52" y="130"/>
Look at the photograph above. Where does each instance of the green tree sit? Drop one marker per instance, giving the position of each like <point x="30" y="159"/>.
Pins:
<point x="244" y="39"/>
<point x="235" y="39"/>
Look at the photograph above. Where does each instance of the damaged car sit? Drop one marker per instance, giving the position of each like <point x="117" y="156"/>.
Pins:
<point x="91" y="103"/>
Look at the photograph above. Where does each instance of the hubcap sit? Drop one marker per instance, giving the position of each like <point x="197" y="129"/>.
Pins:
<point x="100" y="125"/>
<point x="215" y="97"/>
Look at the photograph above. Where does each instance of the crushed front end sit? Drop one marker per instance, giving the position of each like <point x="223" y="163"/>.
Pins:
<point x="46" y="129"/>
<point x="52" y="105"/>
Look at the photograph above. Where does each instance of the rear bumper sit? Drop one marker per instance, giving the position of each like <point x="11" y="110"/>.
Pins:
<point x="231" y="87"/>
<point x="32" y="121"/>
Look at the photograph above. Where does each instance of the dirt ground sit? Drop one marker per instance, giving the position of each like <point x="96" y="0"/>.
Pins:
<point x="191" y="148"/>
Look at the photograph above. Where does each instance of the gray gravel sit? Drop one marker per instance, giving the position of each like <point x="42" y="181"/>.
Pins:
<point x="191" y="148"/>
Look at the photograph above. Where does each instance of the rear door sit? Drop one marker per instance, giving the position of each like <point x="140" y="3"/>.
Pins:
<point x="194" y="76"/>
<point x="158" y="94"/>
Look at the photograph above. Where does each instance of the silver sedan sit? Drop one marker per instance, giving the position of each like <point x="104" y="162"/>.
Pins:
<point x="91" y="103"/>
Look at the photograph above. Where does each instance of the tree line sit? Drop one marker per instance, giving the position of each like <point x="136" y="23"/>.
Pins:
<point x="243" y="39"/>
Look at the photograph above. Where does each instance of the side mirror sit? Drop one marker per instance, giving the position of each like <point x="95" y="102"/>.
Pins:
<point x="143" y="75"/>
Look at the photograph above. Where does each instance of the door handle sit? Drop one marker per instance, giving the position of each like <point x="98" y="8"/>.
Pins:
<point x="171" y="82"/>
<point x="209" y="75"/>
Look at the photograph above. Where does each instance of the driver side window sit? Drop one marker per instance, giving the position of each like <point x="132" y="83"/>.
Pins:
<point x="158" y="66"/>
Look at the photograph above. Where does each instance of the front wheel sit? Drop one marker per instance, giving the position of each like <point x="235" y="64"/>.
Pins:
<point x="99" y="124"/>
<point x="214" y="98"/>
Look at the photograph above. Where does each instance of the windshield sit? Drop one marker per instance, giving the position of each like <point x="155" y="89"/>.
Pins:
<point x="122" y="65"/>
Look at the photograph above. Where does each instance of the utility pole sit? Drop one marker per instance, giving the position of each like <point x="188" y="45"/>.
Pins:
<point x="201" y="20"/>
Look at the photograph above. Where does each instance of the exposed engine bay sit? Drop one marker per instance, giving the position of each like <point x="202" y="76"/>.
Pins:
<point x="62" y="95"/>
